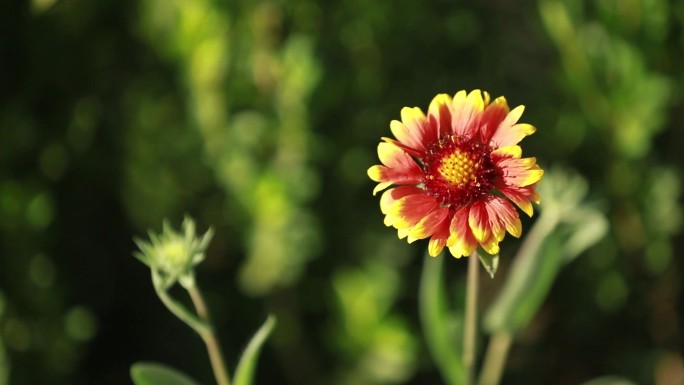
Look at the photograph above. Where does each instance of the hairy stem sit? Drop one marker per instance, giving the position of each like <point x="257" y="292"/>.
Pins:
<point x="177" y="309"/>
<point x="209" y="337"/>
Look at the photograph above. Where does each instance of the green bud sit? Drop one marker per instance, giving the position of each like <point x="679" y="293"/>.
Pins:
<point x="172" y="256"/>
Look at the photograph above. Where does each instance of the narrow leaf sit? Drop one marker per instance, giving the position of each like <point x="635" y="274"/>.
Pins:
<point x="609" y="380"/>
<point x="433" y="316"/>
<point x="152" y="373"/>
<point x="244" y="373"/>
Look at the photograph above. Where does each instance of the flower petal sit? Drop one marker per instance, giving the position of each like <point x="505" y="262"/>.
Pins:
<point x="487" y="228"/>
<point x="478" y="220"/>
<point x="439" y="114"/>
<point x="498" y="219"/>
<point x="411" y="151"/>
<point x="502" y="216"/>
<point x="414" y="131"/>
<point x="436" y="245"/>
<point x="467" y="111"/>
<point x="507" y="152"/>
<point x="521" y="196"/>
<point x="429" y="224"/>
<point x="409" y="210"/>
<point x="514" y="116"/>
<point x="508" y="132"/>
<point x="390" y="196"/>
<point x="399" y="168"/>
<point x="510" y="135"/>
<point x="492" y="117"/>
<point x="440" y="237"/>
<point x="490" y="245"/>
<point x="461" y="241"/>
<point x="520" y="172"/>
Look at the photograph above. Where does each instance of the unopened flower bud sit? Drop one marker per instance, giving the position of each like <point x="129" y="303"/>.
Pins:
<point x="172" y="256"/>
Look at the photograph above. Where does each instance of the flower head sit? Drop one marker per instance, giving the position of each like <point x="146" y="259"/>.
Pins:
<point x="454" y="172"/>
<point x="172" y="256"/>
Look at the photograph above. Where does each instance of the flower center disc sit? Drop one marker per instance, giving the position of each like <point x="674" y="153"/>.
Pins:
<point x="458" y="171"/>
<point x="459" y="168"/>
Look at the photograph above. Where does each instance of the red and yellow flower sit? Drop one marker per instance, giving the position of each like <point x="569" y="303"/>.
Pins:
<point x="454" y="172"/>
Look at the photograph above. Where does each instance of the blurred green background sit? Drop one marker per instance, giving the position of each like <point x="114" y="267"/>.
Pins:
<point x="260" y="118"/>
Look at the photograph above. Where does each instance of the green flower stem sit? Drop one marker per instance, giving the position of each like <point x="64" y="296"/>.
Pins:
<point x="200" y="325"/>
<point x="178" y="310"/>
<point x="495" y="359"/>
<point x="470" y="326"/>
<point x="209" y="337"/>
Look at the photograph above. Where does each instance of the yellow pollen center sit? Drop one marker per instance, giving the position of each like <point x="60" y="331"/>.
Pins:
<point x="459" y="168"/>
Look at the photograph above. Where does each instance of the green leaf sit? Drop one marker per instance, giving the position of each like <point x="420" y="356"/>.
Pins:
<point x="591" y="226"/>
<point x="244" y="372"/>
<point x="566" y="228"/>
<point x="152" y="373"/>
<point x="532" y="273"/>
<point x="490" y="262"/>
<point x="609" y="380"/>
<point x="434" y="319"/>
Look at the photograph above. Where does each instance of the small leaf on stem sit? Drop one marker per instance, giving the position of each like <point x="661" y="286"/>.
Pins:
<point x="152" y="373"/>
<point x="490" y="262"/>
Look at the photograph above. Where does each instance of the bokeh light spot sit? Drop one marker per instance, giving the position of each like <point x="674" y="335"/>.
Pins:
<point x="80" y="324"/>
